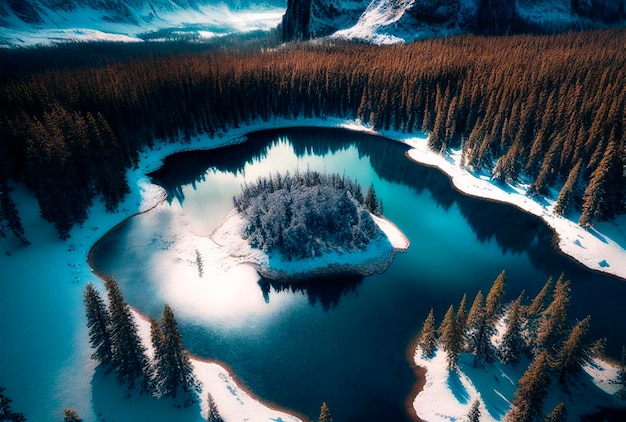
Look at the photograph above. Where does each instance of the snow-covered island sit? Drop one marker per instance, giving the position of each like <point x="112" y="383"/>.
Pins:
<point x="309" y="225"/>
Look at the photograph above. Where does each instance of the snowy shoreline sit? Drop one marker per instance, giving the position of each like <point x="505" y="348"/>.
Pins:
<point x="375" y="258"/>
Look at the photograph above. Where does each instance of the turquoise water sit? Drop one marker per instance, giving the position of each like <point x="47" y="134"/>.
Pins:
<point x="343" y="341"/>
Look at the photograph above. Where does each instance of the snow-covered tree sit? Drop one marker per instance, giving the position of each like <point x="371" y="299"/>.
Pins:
<point x="553" y="324"/>
<point x="478" y="333"/>
<point x="512" y="344"/>
<point x="534" y="312"/>
<point x="306" y="215"/>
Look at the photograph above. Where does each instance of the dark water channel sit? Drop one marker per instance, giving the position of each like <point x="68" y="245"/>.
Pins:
<point x="345" y="341"/>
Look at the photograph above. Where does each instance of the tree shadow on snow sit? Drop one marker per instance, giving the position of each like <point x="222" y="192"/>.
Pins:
<point x="111" y="402"/>
<point x="458" y="389"/>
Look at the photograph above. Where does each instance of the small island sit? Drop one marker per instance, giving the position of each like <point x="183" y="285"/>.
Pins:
<point x="305" y="225"/>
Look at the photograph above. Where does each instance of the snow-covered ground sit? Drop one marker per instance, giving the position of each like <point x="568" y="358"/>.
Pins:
<point x="449" y="395"/>
<point x="601" y="248"/>
<point x="374" y="259"/>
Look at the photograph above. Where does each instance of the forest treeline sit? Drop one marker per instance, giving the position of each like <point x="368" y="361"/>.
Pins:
<point x="543" y="109"/>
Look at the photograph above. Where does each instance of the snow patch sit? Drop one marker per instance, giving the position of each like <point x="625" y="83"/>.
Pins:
<point x="375" y="258"/>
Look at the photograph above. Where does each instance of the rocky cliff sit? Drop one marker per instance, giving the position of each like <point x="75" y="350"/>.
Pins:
<point x="410" y="19"/>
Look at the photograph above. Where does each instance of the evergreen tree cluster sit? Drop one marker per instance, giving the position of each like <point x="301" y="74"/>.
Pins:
<point x="540" y="330"/>
<point x="308" y="214"/>
<point x="523" y="107"/>
<point x="116" y="344"/>
<point x="6" y="413"/>
<point x="173" y="370"/>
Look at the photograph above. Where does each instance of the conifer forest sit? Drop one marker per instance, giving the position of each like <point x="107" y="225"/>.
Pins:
<point x="545" y="109"/>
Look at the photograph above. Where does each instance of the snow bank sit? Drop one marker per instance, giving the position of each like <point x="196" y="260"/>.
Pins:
<point x="374" y="259"/>
<point x="600" y="248"/>
<point x="234" y="402"/>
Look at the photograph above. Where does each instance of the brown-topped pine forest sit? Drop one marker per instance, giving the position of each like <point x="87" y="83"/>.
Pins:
<point x="548" y="110"/>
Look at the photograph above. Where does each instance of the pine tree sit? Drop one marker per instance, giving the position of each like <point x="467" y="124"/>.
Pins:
<point x="325" y="413"/>
<point x="451" y="339"/>
<point x="565" y="201"/>
<point x="512" y="344"/>
<point x="6" y="414"/>
<point x="99" y="324"/>
<point x="603" y="198"/>
<point x="554" y="319"/>
<point x="157" y="340"/>
<point x="213" y="413"/>
<point x="70" y="415"/>
<point x="478" y="333"/>
<point x="493" y="302"/>
<point x="427" y="340"/>
<point x="129" y="355"/>
<point x="371" y="201"/>
<point x="474" y="413"/>
<point x="531" y="391"/>
<point x="174" y="371"/>
<point x="461" y="316"/>
<point x="558" y="414"/>
<point x="575" y="350"/>
<point x="534" y="312"/>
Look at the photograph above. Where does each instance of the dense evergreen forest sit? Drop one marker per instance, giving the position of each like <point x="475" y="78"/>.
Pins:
<point x="544" y="109"/>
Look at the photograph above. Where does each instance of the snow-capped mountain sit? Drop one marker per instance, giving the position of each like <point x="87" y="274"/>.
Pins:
<point x="385" y="21"/>
<point x="25" y="22"/>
